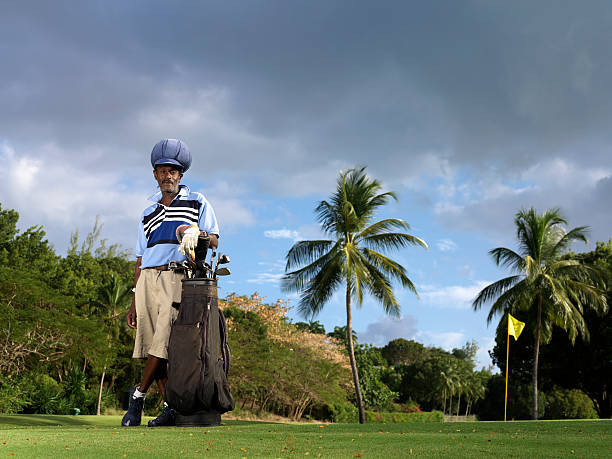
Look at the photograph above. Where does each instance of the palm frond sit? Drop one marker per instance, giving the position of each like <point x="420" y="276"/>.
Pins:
<point x="357" y="271"/>
<point x="558" y="295"/>
<point x="379" y="286"/>
<point x="320" y="289"/>
<point x="534" y="232"/>
<point x="516" y="298"/>
<point x="304" y="252"/>
<point x="297" y="280"/>
<point x="329" y="217"/>
<point x="531" y="268"/>
<point x="494" y="290"/>
<point x="393" y="241"/>
<point x="584" y="293"/>
<point x="384" y="226"/>
<point x="574" y="270"/>
<point x="380" y="200"/>
<point x="507" y="258"/>
<point x="563" y="244"/>
<point x="389" y="267"/>
<point x="566" y="305"/>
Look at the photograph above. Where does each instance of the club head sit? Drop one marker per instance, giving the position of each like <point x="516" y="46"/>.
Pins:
<point x="223" y="259"/>
<point x="222" y="272"/>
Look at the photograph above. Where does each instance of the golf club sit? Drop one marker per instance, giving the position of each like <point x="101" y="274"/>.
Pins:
<point x="212" y="257"/>
<point x="222" y="272"/>
<point x="223" y="259"/>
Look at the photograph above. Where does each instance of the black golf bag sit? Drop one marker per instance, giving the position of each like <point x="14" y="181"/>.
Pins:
<point x="199" y="357"/>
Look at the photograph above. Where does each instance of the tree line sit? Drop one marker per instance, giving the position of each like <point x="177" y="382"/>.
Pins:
<point x="64" y="345"/>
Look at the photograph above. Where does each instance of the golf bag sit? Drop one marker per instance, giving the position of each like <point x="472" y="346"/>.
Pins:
<point x="199" y="357"/>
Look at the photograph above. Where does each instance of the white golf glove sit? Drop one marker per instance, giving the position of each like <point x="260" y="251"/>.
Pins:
<point x="190" y="240"/>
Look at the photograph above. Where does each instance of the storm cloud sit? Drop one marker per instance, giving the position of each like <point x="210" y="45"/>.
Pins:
<point x="281" y="95"/>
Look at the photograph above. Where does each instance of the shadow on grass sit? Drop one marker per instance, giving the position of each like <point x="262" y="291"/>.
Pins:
<point x="31" y="420"/>
<point x="24" y="420"/>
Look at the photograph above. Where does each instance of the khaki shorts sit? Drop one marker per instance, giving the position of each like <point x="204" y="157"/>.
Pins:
<point x="155" y="293"/>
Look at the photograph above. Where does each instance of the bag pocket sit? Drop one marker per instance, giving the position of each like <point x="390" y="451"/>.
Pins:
<point x="184" y="366"/>
<point x="222" y="400"/>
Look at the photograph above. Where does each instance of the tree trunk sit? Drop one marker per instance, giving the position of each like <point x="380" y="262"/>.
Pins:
<point x="444" y="406"/>
<point x="351" y="349"/>
<point x="450" y="405"/>
<point x="458" y="403"/>
<point x="536" y="353"/>
<point x="100" y="391"/>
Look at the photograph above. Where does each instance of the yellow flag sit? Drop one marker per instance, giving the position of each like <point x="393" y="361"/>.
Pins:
<point x="515" y="327"/>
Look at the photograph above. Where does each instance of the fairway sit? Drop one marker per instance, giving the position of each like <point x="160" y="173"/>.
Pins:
<point x="91" y="436"/>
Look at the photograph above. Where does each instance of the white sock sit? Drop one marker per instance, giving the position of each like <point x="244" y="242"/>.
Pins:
<point x="166" y="405"/>
<point x="138" y="394"/>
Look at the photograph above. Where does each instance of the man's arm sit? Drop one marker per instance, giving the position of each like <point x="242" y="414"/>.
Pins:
<point x="208" y="222"/>
<point x="131" y="315"/>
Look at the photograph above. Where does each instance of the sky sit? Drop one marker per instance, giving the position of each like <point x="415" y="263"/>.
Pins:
<point x="468" y="110"/>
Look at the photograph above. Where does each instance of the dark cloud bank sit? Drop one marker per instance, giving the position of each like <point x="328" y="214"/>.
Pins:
<point x="282" y="94"/>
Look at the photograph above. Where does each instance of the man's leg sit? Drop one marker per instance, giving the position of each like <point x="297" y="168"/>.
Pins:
<point x="167" y="417"/>
<point x="165" y="289"/>
<point x="151" y="371"/>
<point x="161" y="377"/>
<point x="134" y="412"/>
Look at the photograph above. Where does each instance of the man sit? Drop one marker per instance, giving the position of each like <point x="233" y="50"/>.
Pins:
<point x="157" y="287"/>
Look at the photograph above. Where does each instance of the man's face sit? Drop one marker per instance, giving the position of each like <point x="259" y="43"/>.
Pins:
<point x="168" y="178"/>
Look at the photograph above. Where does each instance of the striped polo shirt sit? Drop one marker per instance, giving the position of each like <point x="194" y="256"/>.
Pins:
<point x="157" y="243"/>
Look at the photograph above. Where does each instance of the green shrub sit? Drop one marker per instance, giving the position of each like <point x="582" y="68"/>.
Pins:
<point x="520" y="401"/>
<point x="110" y="403"/>
<point x="77" y="395"/>
<point x="409" y="407"/>
<point x="397" y="417"/>
<point x="343" y="412"/>
<point x="569" y="404"/>
<point x="13" y="398"/>
<point x="376" y="395"/>
<point x="45" y="394"/>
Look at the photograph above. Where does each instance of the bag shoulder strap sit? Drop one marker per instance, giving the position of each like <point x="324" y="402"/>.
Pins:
<point x="225" y="349"/>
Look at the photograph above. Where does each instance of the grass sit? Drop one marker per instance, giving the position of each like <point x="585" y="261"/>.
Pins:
<point x="100" y="437"/>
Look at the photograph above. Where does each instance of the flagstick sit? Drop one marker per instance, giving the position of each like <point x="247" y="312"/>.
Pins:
<point x="507" y="358"/>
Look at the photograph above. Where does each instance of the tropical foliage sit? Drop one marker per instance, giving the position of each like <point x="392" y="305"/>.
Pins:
<point x="586" y="364"/>
<point x="351" y="256"/>
<point x="279" y="368"/>
<point x="64" y="345"/>
<point x="544" y="289"/>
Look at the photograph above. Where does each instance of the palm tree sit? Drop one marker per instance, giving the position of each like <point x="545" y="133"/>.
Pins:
<point x="475" y="389"/>
<point x="448" y="386"/>
<point x="555" y="291"/>
<point x="351" y="256"/>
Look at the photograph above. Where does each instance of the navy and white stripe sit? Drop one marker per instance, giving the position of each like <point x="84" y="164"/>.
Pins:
<point x="157" y="243"/>
<point x="183" y="210"/>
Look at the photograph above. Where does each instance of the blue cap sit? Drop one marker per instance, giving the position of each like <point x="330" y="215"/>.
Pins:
<point x="171" y="152"/>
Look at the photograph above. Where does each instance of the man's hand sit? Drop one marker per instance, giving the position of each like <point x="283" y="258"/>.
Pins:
<point x="190" y="240"/>
<point x="131" y="316"/>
